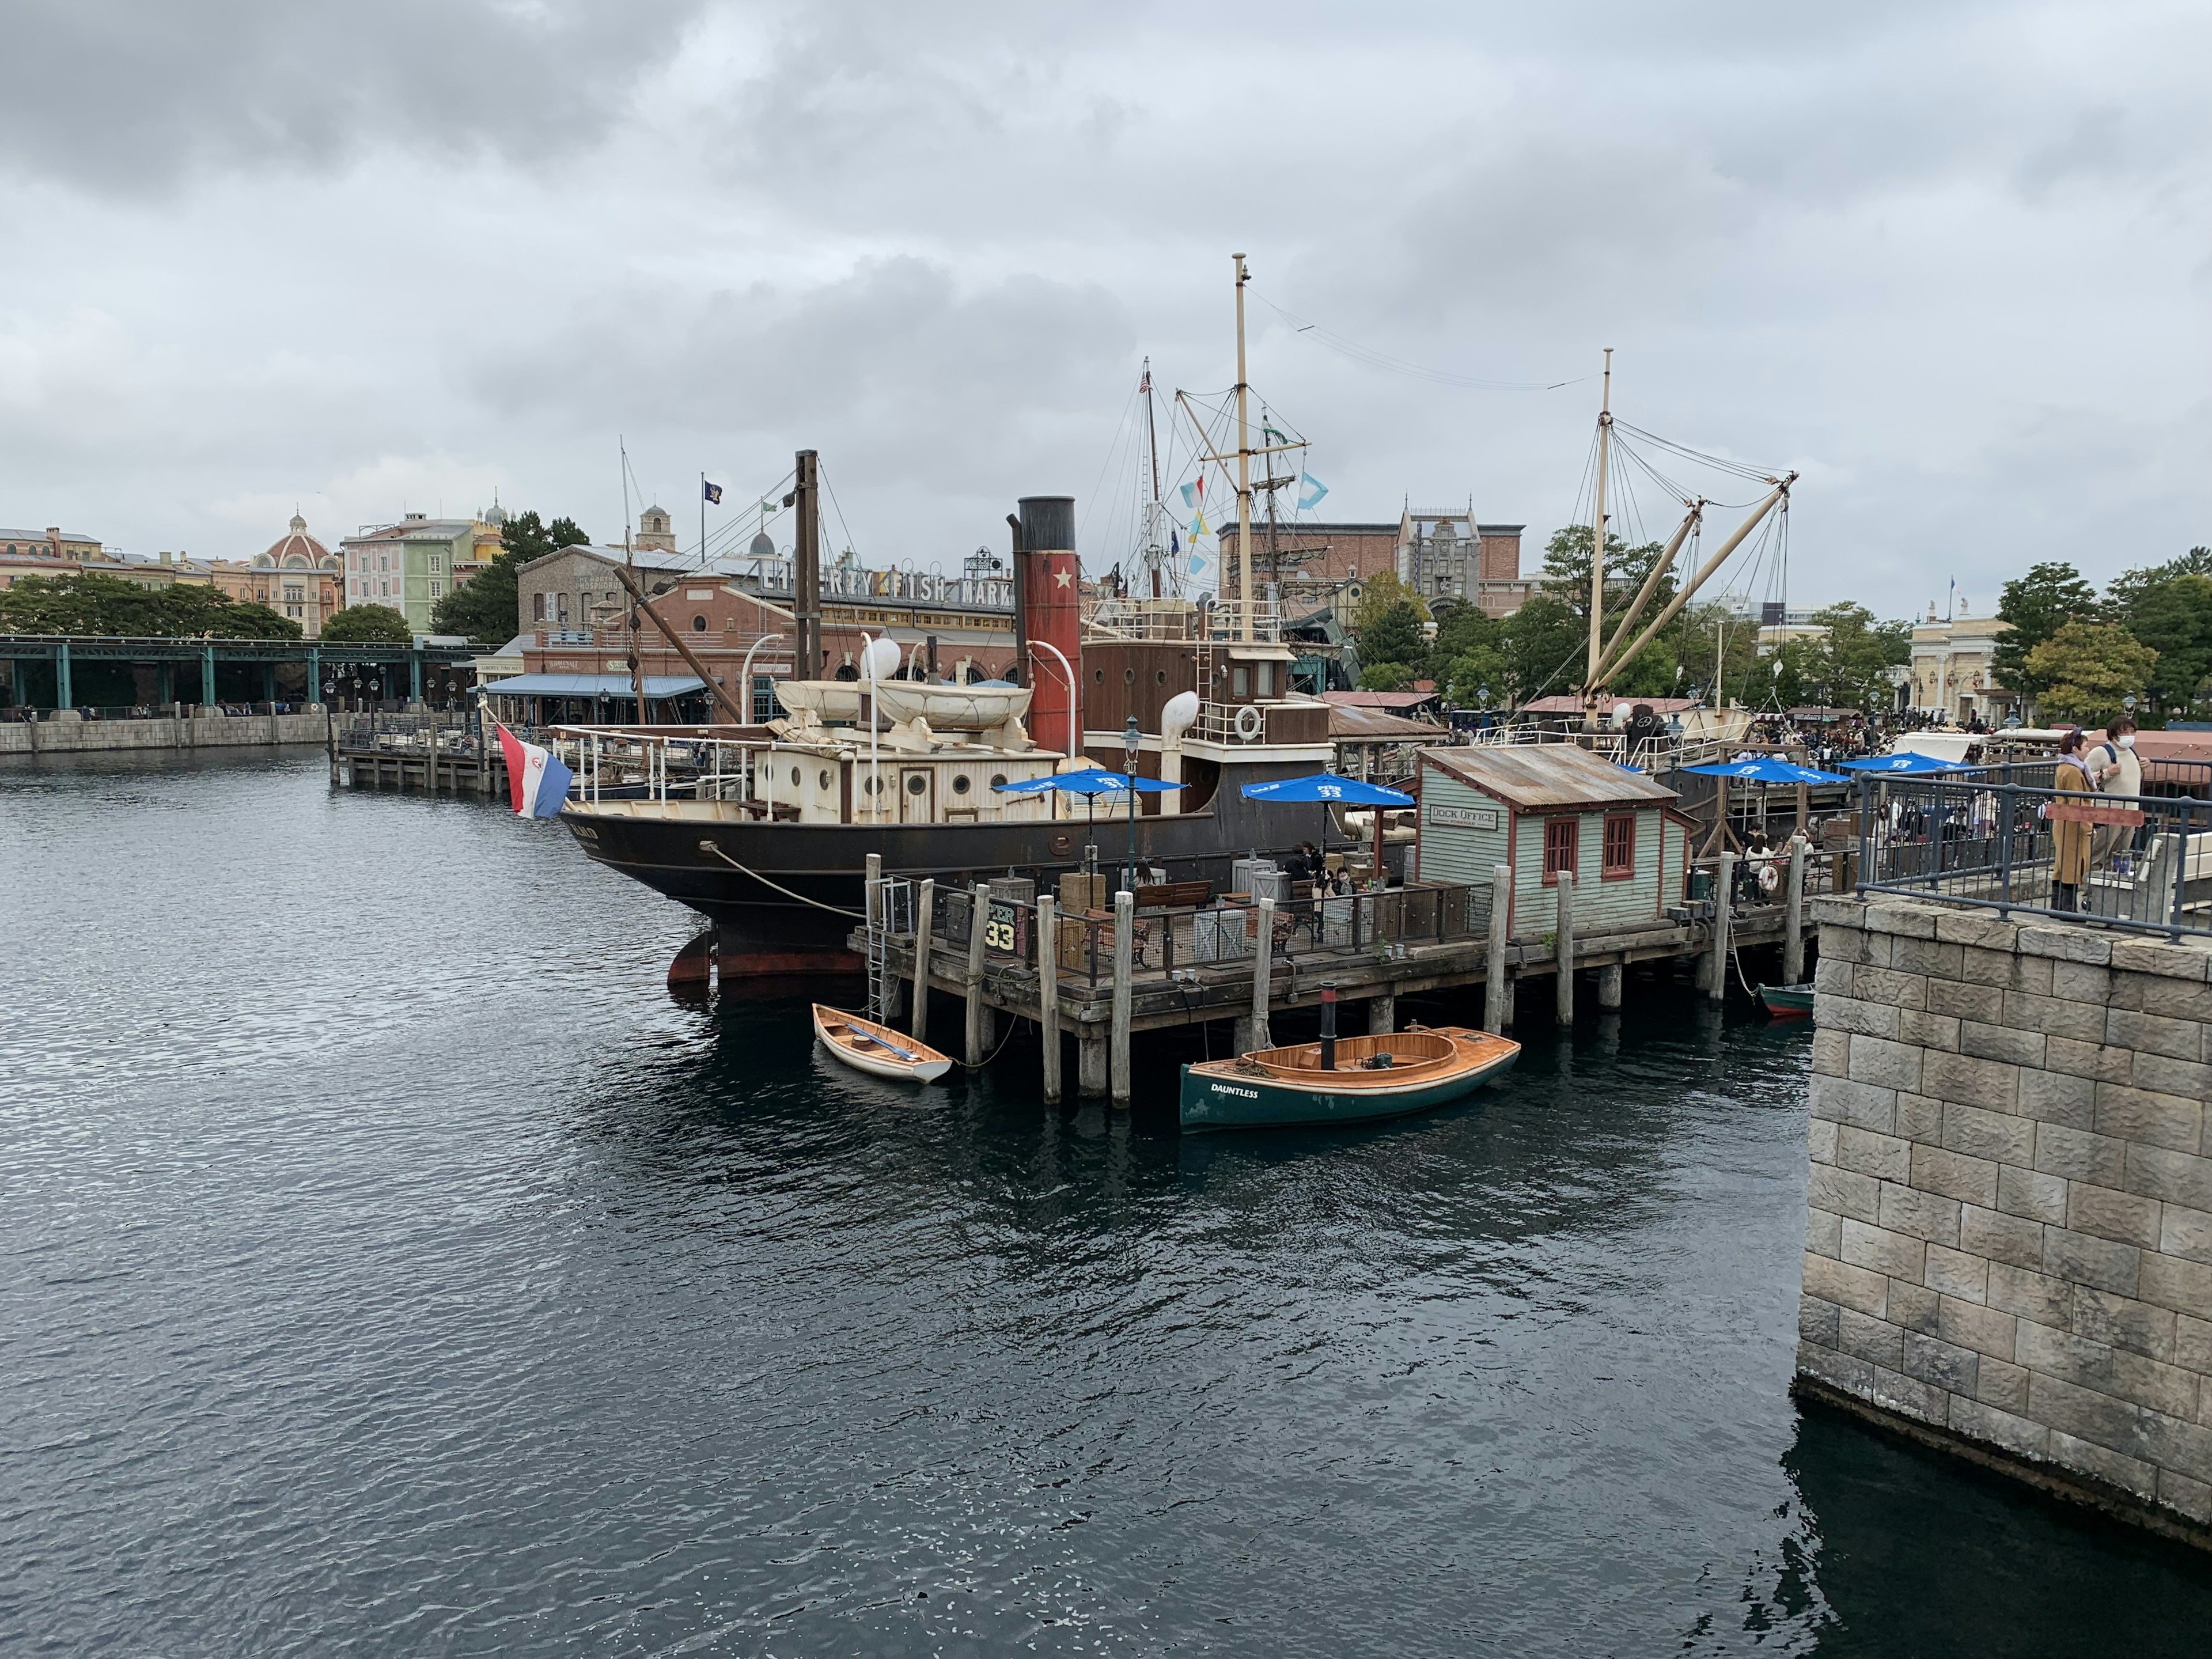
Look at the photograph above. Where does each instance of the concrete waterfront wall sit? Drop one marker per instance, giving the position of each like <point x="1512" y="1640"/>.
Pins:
<point x="2009" y="1240"/>
<point x="77" y="736"/>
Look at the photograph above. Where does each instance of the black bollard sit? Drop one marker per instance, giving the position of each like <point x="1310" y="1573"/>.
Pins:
<point x="1329" y="1025"/>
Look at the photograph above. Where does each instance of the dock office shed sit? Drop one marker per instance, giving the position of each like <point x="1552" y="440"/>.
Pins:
<point x="1541" y="808"/>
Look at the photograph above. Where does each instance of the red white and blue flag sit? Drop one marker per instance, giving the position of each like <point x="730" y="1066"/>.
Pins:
<point x="537" y="779"/>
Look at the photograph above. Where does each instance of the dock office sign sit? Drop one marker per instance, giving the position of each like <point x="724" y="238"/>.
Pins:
<point x="1460" y="818"/>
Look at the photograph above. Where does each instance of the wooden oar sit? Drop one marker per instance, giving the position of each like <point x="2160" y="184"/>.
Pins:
<point x="870" y="1037"/>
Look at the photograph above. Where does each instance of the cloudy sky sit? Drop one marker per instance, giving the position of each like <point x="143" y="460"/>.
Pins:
<point x="1952" y="263"/>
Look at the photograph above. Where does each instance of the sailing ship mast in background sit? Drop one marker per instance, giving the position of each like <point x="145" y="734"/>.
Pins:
<point x="1608" y="657"/>
<point x="1154" y="550"/>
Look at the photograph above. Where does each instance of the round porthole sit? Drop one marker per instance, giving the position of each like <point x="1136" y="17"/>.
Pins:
<point x="1099" y="675"/>
<point x="875" y="785"/>
<point x="960" y="784"/>
<point x="1129" y="677"/>
<point x="997" y="780"/>
<point x="794" y="777"/>
<point x="917" y="784"/>
<point x="698" y="625"/>
<point x="1159" y="677"/>
<point x="823" y="782"/>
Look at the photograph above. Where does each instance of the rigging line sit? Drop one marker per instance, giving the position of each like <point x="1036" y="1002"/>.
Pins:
<point x="822" y="474"/>
<point x="1375" y="359"/>
<point x="1112" y="450"/>
<point x="1674" y="488"/>
<point x="1743" y="468"/>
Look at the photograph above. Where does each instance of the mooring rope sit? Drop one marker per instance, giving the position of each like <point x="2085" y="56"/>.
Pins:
<point x="709" y="847"/>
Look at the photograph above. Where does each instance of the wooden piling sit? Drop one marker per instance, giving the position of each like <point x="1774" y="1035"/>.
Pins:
<point x="1125" y="930"/>
<point x="1263" y="977"/>
<point x="1724" y="882"/>
<point x="1564" y="951"/>
<point x="1047" y="949"/>
<point x="1496" y="991"/>
<point x="978" y="1035"/>
<point x="1792" y="919"/>
<point x="1090" y="1062"/>
<point x="1382" y="1015"/>
<point x="925" y="902"/>
<point x="1609" y="979"/>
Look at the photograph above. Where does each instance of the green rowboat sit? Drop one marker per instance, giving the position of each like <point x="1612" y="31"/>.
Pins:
<point x="1373" y="1078"/>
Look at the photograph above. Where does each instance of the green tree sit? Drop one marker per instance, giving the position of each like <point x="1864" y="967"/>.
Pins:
<point x="2085" y="668"/>
<point x="2131" y="585"/>
<point x="1850" y="663"/>
<point x="367" y="625"/>
<point x="1541" y="643"/>
<point x="2169" y="608"/>
<point x="1386" y="677"/>
<point x="96" y="604"/>
<point x="1390" y="624"/>
<point x="1567" y="579"/>
<point x="487" y="608"/>
<point x="2038" y="605"/>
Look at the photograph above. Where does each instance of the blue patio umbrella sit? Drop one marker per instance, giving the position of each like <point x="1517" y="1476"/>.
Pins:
<point x="1766" y="769"/>
<point x="1325" y="787"/>
<point x="1763" y="768"/>
<point x="1093" y="781"/>
<point x="1090" y="782"/>
<point x="1908" y="763"/>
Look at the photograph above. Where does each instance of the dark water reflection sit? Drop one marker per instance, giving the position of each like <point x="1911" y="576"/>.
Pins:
<point x="392" y="1267"/>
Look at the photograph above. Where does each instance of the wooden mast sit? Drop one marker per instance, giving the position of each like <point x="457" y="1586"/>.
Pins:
<point x="629" y="564"/>
<point x="1153" y="549"/>
<point x="1243" y="469"/>
<point x="806" y="570"/>
<point x="1597" y="550"/>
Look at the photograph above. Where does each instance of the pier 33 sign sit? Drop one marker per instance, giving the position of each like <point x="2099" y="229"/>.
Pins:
<point x="1466" y="818"/>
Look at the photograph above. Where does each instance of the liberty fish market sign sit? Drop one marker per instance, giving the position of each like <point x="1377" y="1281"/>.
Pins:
<point x="1461" y="818"/>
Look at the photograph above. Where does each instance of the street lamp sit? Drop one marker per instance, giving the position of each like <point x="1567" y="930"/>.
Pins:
<point x="1132" y="741"/>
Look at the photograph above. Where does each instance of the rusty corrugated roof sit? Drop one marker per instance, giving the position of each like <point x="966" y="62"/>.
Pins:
<point x="1544" y="776"/>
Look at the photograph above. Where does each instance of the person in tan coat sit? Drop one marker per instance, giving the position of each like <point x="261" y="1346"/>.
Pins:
<point x="2069" y="837"/>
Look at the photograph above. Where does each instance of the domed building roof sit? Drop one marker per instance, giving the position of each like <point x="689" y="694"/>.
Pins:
<point x="298" y="551"/>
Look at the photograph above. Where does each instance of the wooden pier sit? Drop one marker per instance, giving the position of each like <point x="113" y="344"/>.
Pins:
<point x="1112" y="973"/>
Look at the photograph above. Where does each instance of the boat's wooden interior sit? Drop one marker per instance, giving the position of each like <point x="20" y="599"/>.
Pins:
<point x="844" y="1029"/>
<point x="1414" y="1055"/>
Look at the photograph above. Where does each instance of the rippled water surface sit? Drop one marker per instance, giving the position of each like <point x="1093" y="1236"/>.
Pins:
<point x="390" y="1267"/>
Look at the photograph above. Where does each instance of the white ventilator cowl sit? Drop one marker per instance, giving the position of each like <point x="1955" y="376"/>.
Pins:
<point x="884" y="654"/>
<point x="1179" y="714"/>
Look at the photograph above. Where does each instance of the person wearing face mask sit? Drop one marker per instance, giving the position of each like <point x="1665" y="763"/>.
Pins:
<point x="2114" y="770"/>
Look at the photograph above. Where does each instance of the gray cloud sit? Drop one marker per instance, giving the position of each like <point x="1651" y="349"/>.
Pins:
<point x="130" y="95"/>
<point x="1949" y="261"/>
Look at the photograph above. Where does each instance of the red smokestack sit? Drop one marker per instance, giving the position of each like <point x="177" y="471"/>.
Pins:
<point x="1048" y="612"/>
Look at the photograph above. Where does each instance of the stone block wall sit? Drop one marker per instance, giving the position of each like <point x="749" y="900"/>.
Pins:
<point x="2009" y="1239"/>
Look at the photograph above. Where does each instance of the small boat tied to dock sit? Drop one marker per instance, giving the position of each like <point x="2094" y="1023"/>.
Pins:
<point x="877" y="1049"/>
<point x="1358" y="1080"/>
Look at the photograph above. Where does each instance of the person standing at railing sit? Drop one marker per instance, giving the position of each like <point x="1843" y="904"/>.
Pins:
<point x="2070" y="836"/>
<point x="2113" y="770"/>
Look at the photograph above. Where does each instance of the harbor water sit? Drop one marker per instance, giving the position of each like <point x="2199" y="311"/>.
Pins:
<point x="391" y="1266"/>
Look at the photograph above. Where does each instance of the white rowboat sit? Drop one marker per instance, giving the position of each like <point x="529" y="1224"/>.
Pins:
<point x="877" y="1049"/>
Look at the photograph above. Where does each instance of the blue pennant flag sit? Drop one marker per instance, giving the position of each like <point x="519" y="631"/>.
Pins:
<point x="713" y="493"/>
<point x="1310" y="491"/>
<point x="1175" y="541"/>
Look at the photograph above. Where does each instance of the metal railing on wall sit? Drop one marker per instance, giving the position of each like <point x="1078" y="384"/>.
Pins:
<point x="1991" y="839"/>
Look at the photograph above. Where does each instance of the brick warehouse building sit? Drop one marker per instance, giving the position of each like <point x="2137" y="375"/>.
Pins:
<point x="1442" y="556"/>
<point x="956" y="628"/>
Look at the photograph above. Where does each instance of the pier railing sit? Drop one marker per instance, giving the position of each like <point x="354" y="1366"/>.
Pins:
<point x="1986" y="838"/>
<point x="1179" y="941"/>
